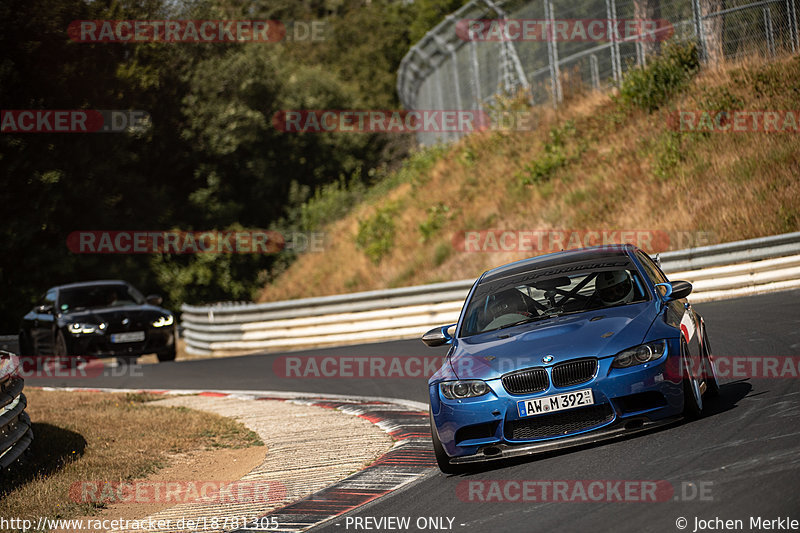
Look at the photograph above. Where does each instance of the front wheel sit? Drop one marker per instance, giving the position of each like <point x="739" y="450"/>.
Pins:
<point x="692" y="397"/>
<point x="442" y="459"/>
<point x="60" y="346"/>
<point x="25" y="345"/>
<point x="709" y="372"/>
<point x="167" y="354"/>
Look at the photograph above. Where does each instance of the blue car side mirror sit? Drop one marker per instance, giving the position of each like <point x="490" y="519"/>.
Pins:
<point x="674" y="290"/>
<point x="438" y="336"/>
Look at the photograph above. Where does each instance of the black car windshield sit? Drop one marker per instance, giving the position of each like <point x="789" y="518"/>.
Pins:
<point x="539" y="294"/>
<point x="93" y="296"/>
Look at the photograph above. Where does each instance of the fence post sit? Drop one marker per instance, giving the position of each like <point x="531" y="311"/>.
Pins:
<point x="794" y="24"/>
<point x="611" y="15"/>
<point x="452" y="51"/>
<point x="698" y="28"/>
<point x="768" y="31"/>
<point x="476" y="79"/>
<point x="595" y="71"/>
<point x="552" y="55"/>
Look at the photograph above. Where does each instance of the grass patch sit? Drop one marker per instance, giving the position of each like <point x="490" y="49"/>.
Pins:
<point x="376" y="234"/>
<point x="599" y="161"/>
<point x="666" y="75"/>
<point x="437" y="215"/>
<point x="82" y="436"/>
<point x="555" y="156"/>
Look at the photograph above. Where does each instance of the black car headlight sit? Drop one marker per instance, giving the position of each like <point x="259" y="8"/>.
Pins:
<point x="639" y="355"/>
<point x="163" y="321"/>
<point x="456" y="390"/>
<point x="83" y="328"/>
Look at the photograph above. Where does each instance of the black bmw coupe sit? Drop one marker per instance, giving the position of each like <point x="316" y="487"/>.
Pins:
<point x="98" y="319"/>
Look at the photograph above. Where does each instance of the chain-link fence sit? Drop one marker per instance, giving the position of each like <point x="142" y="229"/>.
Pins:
<point x="546" y="49"/>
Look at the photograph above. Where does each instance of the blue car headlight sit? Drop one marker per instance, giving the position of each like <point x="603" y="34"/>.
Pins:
<point x="457" y="390"/>
<point x="639" y="355"/>
<point x="83" y="328"/>
<point x="163" y="321"/>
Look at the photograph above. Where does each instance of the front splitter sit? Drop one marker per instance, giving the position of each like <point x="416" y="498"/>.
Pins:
<point x="495" y="452"/>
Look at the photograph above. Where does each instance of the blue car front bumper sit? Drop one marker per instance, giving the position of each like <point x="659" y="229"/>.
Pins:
<point x="625" y="401"/>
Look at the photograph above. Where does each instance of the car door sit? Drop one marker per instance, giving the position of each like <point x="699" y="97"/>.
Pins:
<point x="42" y="328"/>
<point x="680" y="313"/>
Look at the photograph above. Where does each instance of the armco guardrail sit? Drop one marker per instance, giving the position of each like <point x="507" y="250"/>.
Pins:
<point x="724" y="270"/>
<point x="15" y="425"/>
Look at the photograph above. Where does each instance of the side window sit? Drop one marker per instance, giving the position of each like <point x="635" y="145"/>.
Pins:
<point x="49" y="298"/>
<point x="650" y="268"/>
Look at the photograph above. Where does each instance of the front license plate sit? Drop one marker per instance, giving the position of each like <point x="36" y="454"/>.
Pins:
<point x="130" y="336"/>
<point x="557" y="402"/>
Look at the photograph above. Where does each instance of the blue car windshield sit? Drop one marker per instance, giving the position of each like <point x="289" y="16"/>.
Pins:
<point x="536" y="295"/>
<point x="93" y="296"/>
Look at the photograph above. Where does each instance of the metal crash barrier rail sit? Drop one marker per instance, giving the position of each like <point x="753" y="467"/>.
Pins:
<point x="719" y="271"/>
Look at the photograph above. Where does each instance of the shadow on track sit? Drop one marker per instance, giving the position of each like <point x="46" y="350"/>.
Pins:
<point x="51" y="449"/>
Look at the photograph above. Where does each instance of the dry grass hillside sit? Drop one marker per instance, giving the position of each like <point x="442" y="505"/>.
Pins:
<point x="597" y="163"/>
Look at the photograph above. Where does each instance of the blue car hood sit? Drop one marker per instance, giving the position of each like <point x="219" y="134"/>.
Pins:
<point x="600" y="333"/>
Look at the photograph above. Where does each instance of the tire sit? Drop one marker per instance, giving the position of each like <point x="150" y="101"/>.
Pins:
<point x="442" y="459"/>
<point x="692" y="398"/>
<point x="25" y="347"/>
<point x="166" y="355"/>
<point x="710" y="373"/>
<point x="60" y="345"/>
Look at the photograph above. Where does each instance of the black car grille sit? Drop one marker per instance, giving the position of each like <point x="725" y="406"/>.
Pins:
<point x="574" y="372"/>
<point x="557" y="424"/>
<point x="526" y="381"/>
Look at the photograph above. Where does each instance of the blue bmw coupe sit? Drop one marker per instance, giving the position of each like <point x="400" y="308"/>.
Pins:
<point x="566" y="349"/>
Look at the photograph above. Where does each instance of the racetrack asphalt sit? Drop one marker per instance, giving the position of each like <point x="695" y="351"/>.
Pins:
<point x="739" y="462"/>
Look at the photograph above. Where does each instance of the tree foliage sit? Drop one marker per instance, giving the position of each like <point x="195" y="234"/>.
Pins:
<point x="211" y="158"/>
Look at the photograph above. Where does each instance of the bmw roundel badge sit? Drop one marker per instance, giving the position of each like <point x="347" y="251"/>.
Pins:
<point x="547" y="359"/>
